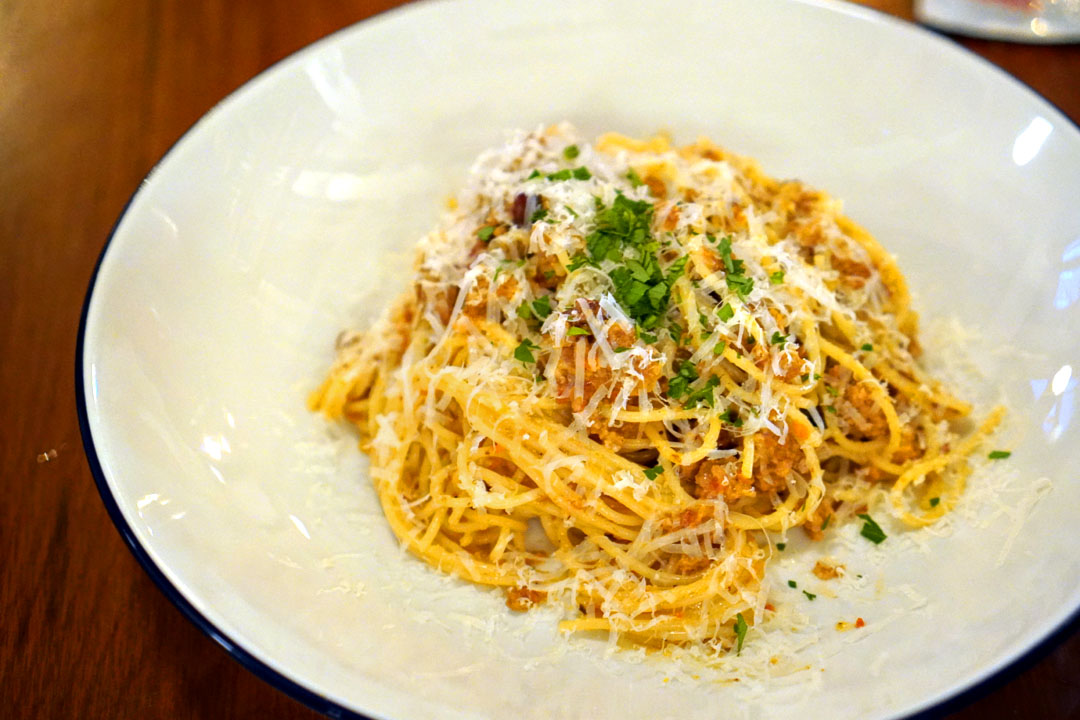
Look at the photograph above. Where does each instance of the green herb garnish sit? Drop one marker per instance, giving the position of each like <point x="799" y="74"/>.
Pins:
<point x="735" y="270"/>
<point x="809" y="596"/>
<point x="578" y="331"/>
<point x="731" y="417"/>
<point x="703" y="395"/>
<point x="777" y="277"/>
<point x="679" y="385"/>
<point x="999" y="454"/>
<point x="725" y="312"/>
<point x="781" y="546"/>
<point x="485" y="233"/>
<point x="634" y="178"/>
<point x="934" y="501"/>
<point x="867" y="347"/>
<point x="778" y="339"/>
<point x="570" y="152"/>
<point x="871" y="530"/>
<point x="792" y="584"/>
<point x="622" y="236"/>
<point x="654" y="472"/>
<point x="740" y="632"/>
<point x="523" y="352"/>
<point x="542" y="306"/>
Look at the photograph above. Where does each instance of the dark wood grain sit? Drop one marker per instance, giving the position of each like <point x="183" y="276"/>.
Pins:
<point x="92" y="93"/>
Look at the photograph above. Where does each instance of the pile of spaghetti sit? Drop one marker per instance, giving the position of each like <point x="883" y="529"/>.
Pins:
<point x="622" y="367"/>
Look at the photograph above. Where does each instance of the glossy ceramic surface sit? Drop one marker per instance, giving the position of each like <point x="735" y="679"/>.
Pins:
<point x="287" y="213"/>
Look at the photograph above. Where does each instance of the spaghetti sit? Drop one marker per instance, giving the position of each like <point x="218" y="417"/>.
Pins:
<point x="621" y="366"/>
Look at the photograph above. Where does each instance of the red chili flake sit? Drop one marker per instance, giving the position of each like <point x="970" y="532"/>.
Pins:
<point x="859" y="622"/>
<point x="769" y="607"/>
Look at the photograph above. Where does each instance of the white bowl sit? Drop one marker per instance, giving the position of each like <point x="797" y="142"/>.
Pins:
<point x="287" y="213"/>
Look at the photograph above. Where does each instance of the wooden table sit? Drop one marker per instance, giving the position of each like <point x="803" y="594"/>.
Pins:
<point x="92" y="93"/>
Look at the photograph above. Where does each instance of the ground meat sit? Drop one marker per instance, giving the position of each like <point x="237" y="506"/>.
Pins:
<point x="853" y="273"/>
<point x="549" y="272"/>
<point x="819" y="519"/>
<point x="657" y="187"/>
<point x="865" y="416"/>
<point x="722" y="478"/>
<point x="620" y="336"/>
<point x="507" y="289"/>
<point x="671" y="220"/>
<point x="856" y="406"/>
<point x="596" y="374"/>
<point x="774" y="461"/>
<point x="475" y="305"/>
<point x="522" y="599"/>
<point x="827" y="570"/>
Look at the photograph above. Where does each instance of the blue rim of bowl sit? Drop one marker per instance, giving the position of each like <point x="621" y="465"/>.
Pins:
<point x="319" y="703"/>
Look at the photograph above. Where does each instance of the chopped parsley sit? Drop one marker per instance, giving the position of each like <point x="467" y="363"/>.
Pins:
<point x="867" y="347"/>
<point x="622" y="236"/>
<point x="538" y="215"/>
<point x="648" y="338"/>
<point x="934" y="501"/>
<point x="828" y="519"/>
<point x="541" y="307"/>
<point x="679" y="385"/>
<point x="871" y="530"/>
<point x="654" y="472"/>
<point x="777" y="277"/>
<point x="570" y="152"/>
<point x="524" y="311"/>
<point x="792" y="584"/>
<point x="781" y="546"/>
<point x="577" y="261"/>
<point x="735" y="271"/>
<point x="523" y="352"/>
<point x="831" y="390"/>
<point x="777" y="338"/>
<point x="809" y="595"/>
<point x="740" y="632"/>
<point x="534" y="174"/>
<point x="578" y="173"/>
<point x="634" y="178"/>
<point x="703" y="395"/>
<point x="830" y="408"/>
<point x="999" y="454"/>
<point x="725" y="312"/>
<point x="578" y="331"/>
<point x="485" y="233"/>
<point x="718" y="348"/>
<point x="731" y="417"/>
